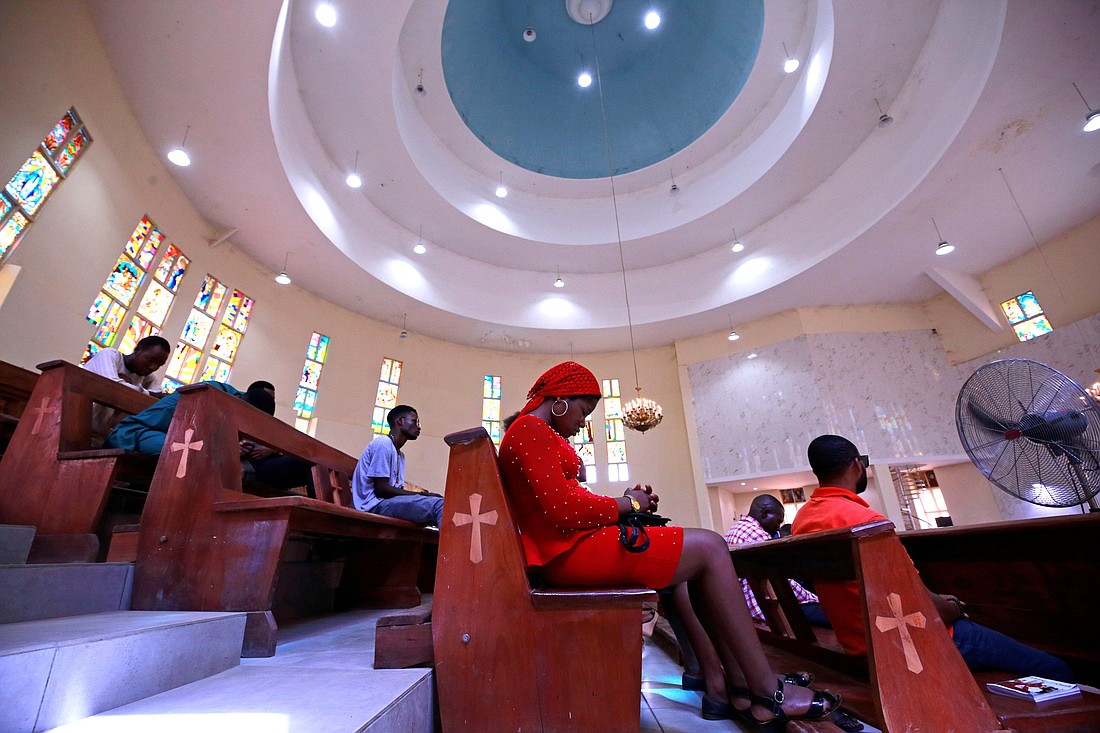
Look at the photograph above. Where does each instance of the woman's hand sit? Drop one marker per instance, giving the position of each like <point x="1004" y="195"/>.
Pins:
<point x="645" y="497"/>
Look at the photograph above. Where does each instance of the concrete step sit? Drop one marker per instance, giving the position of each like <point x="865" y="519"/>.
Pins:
<point x="31" y="592"/>
<point x="15" y="543"/>
<point x="320" y="679"/>
<point x="64" y="669"/>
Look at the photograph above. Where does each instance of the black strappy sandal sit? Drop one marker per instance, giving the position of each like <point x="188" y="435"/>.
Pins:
<point x="817" y="711"/>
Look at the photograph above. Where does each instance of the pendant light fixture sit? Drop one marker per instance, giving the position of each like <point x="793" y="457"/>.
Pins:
<point x="179" y="155"/>
<point x="639" y="414"/>
<point x="282" y="278"/>
<point x="501" y="190"/>
<point x="419" y="248"/>
<point x="791" y="64"/>
<point x="1092" y="120"/>
<point x="559" y="283"/>
<point x="353" y="180"/>
<point x="737" y="246"/>
<point x="944" y="247"/>
<point x="733" y="334"/>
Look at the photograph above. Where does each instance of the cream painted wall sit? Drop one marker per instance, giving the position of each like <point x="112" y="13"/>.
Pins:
<point x="1062" y="273"/>
<point x="68" y="252"/>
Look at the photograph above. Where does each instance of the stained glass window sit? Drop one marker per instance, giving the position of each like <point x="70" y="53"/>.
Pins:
<point x="386" y="399"/>
<point x="306" y="397"/>
<point x="582" y="443"/>
<point x="122" y="290"/>
<point x="26" y="192"/>
<point x="1026" y="316"/>
<point x="200" y="325"/>
<point x="490" y="406"/>
<point x="617" y="468"/>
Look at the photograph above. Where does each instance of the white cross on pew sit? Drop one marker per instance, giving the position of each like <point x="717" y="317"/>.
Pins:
<point x="43" y="409"/>
<point x="186" y="446"/>
<point x="900" y="621"/>
<point x="476" y="518"/>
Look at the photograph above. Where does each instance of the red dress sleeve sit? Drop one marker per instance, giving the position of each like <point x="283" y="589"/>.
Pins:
<point x="546" y="464"/>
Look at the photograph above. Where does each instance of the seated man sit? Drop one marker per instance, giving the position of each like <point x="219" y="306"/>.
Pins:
<point x="842" y="474"/>
<point x="135" y="370"/>
<point x="759" y="525"/>
<point x="146" y="432"/>
<point x="378" y="484"/>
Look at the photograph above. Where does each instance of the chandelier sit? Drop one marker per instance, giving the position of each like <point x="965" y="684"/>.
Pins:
<point x="641" y="413"/>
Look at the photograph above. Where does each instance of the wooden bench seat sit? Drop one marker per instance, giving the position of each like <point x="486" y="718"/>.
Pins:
<point x="204" y="545"/>
<point x="52" y="477"/>
<point x="510" y="657"/>
<point x="919" y="684"/>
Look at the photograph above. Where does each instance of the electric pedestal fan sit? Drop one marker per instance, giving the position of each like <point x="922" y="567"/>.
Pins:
<point x="1033" y="432"/>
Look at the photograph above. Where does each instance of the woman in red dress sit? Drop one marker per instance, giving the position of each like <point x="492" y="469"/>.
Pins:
<point x="571" y="536"/>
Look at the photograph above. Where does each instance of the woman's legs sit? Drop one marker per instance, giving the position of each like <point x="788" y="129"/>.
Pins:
<point x="720" y="606"/>
<point x="710" y="665"/>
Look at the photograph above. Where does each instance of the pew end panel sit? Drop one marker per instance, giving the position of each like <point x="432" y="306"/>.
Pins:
<point x="204" y="544"/>
<point x="917" y="679"/>
<point x="517" y="658"/>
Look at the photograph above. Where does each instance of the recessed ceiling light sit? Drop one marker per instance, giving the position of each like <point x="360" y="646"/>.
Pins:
<point x="584" y="80"/>
<point x="652" y="19"/>
<point x="354" y="180"/>
<point x="326" y="15"/>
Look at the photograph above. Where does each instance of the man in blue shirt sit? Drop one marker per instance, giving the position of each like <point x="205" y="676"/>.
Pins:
<point x="378" y="484"/>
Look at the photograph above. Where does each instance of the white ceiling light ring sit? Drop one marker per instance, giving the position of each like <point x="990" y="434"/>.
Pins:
<point x="588" y="12"/>
<point x="714" y="291"/>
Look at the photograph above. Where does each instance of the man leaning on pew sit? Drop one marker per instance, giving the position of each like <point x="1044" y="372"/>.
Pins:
<point x="136" y="370"/>
<point x="842" y="474"/>
<point x="146" y="432"/>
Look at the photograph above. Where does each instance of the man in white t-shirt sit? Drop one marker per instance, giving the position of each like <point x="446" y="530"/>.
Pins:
<point x="378" y="484"/>
<point x="135" y="370"/>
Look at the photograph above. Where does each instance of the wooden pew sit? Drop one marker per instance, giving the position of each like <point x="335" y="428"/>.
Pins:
<point x="204" y="545"/>
<point x="1033" y="579"/>
<point x="16" y="385"/>
<point x="922" y="684"/>
<point x="50" y="476"/>
<point x="510" y="657"/>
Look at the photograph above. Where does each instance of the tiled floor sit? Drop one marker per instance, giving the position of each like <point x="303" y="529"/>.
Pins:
<point x="668" y="708"/>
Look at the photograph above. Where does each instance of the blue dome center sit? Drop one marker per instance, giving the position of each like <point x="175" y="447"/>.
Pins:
<point x="662" y="88"/>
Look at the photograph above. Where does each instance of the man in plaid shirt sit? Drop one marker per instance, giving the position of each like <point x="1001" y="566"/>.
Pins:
<point x="759" y="525"/>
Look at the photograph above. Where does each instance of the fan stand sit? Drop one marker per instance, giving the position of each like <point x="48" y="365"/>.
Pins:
<point x="1094" y="506"/>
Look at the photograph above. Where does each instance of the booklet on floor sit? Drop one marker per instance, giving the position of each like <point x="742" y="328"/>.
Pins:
<point x="1034" y="688"/>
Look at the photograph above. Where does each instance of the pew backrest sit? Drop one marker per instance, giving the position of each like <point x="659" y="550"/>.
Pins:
<point x="51" y="476"/>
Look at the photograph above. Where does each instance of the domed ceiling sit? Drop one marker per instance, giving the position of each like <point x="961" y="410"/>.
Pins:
<point x="436" y="104"/>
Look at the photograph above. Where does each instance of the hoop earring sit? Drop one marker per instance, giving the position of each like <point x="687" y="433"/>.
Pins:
<point x="559" y="414"/>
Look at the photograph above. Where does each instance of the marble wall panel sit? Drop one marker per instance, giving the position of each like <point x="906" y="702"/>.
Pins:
<point x="892" y="393"/>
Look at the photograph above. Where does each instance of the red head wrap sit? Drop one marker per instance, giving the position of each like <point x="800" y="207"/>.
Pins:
<point x="565" y="380"/>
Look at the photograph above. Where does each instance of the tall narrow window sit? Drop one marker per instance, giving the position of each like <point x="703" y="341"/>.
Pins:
<point x="121" y="293"/>
<point x="227" y="342"/>
<point x="617" y="469"/>
<point x="183" y="367"/>
<point x="1026" y="316"/>
<point x="490" y="407"/>
<point x="386" y="400"/>
<point x="306" y="398"/>
<point x="582" y="443"/>
<point x="36" y="179"/>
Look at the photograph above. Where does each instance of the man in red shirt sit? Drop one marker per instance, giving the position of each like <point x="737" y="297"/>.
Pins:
<point x="842" y="474"/>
